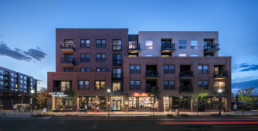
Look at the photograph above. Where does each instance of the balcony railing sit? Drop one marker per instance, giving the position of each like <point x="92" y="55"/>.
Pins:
<point x="186" y="74"/>
<point x="67" y="47"/>
<point x="152" y="74"/>
<point x="168" y="46"/>
<point x="220" y="74"/>
<point x="134" y="46"/>
<point x="67" y="63"/>
<point x="211" y="47"/>
<point x="117" y="62"/>
<point x="116" y="75"/>
<point x="186" y="89"/>
<point x="148" y="88"/>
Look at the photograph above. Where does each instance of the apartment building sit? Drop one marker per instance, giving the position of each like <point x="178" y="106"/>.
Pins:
<point x="177" y="66"/>
<point x="16" y="88"/>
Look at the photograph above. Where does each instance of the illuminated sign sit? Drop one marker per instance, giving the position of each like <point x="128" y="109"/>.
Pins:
<point x="140" y="94"/>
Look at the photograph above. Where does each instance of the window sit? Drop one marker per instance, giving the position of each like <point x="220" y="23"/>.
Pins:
<point x="97" y="43"/>
<point x="194" y="44"/>
<point x="116" y="73"/>
<point x="103" y="58"/>
<point x="138" y="69"/>
<point x="87" y="43"/>
<point x="82" y="44"/>
<point x="117" y="45"/>
<point x="131" y="84"/>
<point x="87" y="57"/>
<point x="133" y="45"/>
<point x="1" y="72"/>
<point x="171" y="84"/>
<point x="203" y="69"/>
<point x="84" y="84"/>
<point x="103" y="69"/>
<point x="194" y="55"/>
<point x="138" y="84"/>
<point x="103" y="43"/>
<point x="82" y="58"/>
<point x="97" y="69"/>
<point x="116" y="86"/>
<point x="165" y="84"/>
<point x="68" y="69"/>
<point x="82" y="69"/>
<point x="148" y="44"/>
<point x="203" y="84"/>
<point x="166" y="71"/>
<point x="182" y="44"/>
<point x="131" y="69"/>
<point x="148" y="55"/>
<point x="172" y="69"/>
<point x="87" y="70"/>
<point x="117" y="59"/>
<point x="100" y="85"/>
<point x="182" y="55"/>
<point x="98" y="58"/>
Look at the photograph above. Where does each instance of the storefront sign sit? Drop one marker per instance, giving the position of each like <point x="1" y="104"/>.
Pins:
<point x="57" y="94"/>
<point x="140" y="94"/>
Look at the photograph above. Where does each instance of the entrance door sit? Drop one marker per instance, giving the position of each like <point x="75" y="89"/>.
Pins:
<point x="117" y="105"/>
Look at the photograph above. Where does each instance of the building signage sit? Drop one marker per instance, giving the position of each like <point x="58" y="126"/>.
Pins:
<point x="57" y="94"/>
<point x="140" y="94"/>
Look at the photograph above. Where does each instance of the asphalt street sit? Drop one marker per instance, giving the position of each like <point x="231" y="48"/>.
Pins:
<point x="78" y="124"/>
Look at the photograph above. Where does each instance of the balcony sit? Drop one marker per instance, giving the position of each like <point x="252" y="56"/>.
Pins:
<point x="116" y="76"/>
<point x="220" y="74"/>
<point x="152" y="75"/>
<point x="67" y="63"/>
<point x="134" y="48"/>
<point x="167" y="47"/>
<point x="149" y="89"/>
<point x="211" y="47"/>
<point x="67" y="47"/>
<point x="186" y="89"/>
<point x="186" y="74"/>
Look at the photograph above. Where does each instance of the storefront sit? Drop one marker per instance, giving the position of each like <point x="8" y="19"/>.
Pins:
<point x="182" y="103"/>
<point x="94" y="103"/>
<point x="212" y="104"/>
<point x="142" y="102"/>
<point x="117" y="103"/>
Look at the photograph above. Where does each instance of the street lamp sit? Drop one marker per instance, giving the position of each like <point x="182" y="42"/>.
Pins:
<point x="219" y="91"/>
<point x="108" y="91"/>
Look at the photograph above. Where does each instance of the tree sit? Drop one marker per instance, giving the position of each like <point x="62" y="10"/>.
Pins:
<point x="42" y="98"/>
<point x="200" y="98"/>
<point x="155" y="93"/>
<point x="71" y="95"/>
<point x="245" y="95"/>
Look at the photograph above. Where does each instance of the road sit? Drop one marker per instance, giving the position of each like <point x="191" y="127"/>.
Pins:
<point x="77" y="124"/>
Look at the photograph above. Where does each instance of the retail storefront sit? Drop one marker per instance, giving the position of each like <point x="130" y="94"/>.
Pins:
<point x="94" y="103"/>
<point x="211" y="103"/>
<point x="117" y="103"/>
<point x="182" y="103"/>
<point x="142" y="102"/>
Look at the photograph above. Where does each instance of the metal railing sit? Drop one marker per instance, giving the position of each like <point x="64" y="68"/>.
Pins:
<point x="66" y="60"/>
<point x="67" y="45"/>
<point x="152" y="74"/>
<point x="209" y="46"/>
<point x="186" y="89"/>
<point x="220" y="74"/>
<point x="186" y="73"/>
<point x="134" y="46"/>
<point x="168" y="46"/>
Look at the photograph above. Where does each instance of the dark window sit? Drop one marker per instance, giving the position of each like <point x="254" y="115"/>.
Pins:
<point x="84" y="84"/>
<point x="87" y="69"/>
<point x="138" y="69"/>
<point x="199" y="69"/>
<point x="81" y="85"/>
<point x="131" y="84"/>
<point x="87" y="57"/>
<point x="182" y="44"/>
<point x="205" y="69"/>
<point x="103" y="43"/>
<point x="171" y="84"/>
<point x="82" y="44"/>
<point x="166" y="69"/>
<point x="172" y="69"/>
<point x="138" y="84"/>
<point x="117" y="45"/>
<point x="82" y="70"/>
<point x="131" y="69"/>
<point x="97" y="43"/>
<point x="117" y="59"/>
<point x="205" y="84"/>
<point x="165" y="83"/>
<point x="82" y="58"/>
<point x="68" y="69"/>
<point x="100" y="85"/>
<point x="117" y="73"/>
<point x="103" y="57"/>
<point x="98" y="58"/>
<point x="103" y="69"/>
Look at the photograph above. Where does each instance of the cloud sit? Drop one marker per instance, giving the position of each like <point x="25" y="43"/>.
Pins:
<point x="18" y="54"/>
<point x="36" y="54"/>
<point x="248" y="67"/>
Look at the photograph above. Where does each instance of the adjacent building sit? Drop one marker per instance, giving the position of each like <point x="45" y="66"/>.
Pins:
<point x="16" y="88"/>
<point x="177" y="65"/>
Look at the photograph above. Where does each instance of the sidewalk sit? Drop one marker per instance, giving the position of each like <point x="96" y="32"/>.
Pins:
<point x="132" y="114"/>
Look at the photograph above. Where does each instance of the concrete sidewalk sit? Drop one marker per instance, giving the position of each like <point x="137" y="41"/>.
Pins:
<point x="130" y="114"/>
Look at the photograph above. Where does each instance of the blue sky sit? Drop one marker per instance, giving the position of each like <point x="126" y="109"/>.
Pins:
<point x="28" y="27"/>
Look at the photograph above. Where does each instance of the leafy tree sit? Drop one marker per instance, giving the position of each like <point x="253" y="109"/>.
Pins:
<point x="246" y="96"/>
<point x="72" y="96"/>
<point x="42" y="98"/>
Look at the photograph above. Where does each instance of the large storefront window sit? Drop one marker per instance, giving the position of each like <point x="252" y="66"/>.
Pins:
<point x="116" y="103"/>
<point x="93" y="102"/>
<point x="132" y="103"/>
<point x="142" y="103"/>
<point x="63" y="103"/>
<point x="212" y="104"/>
<point x="182" y="102"/>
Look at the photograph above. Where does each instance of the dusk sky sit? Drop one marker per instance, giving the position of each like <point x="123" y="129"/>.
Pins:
<point x="27" y="28"/>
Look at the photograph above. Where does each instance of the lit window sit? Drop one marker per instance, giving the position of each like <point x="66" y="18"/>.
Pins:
<point x="148" y="44"/>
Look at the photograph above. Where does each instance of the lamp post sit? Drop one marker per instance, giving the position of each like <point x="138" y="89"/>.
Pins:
<point x="108" y="91"/>
<point x="219" y="91"/>
<point x="32" y="93"/>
